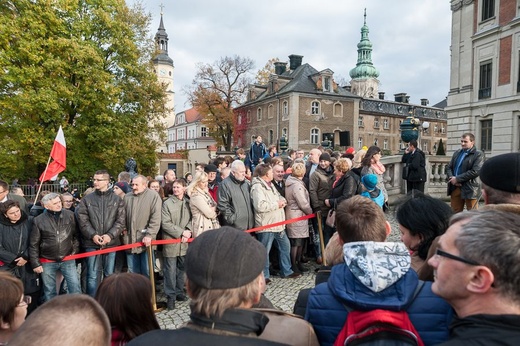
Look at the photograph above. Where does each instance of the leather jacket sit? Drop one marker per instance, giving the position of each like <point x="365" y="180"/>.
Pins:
<point x="53" y="237"/>
<point x="101" y="213"/>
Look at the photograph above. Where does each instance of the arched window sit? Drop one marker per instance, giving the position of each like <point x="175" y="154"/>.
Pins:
<point x="315" y="136"/>
<point x="259" y="114"/>
<point x="271" y="137"/>
<point x="270" y="111"/>
<point x="285" y="108"/>
<point x="338" y="109"/>
<point x="315" y="108"/>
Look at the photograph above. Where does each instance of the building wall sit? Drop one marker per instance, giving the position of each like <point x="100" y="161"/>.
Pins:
<point x="492" y="116"/>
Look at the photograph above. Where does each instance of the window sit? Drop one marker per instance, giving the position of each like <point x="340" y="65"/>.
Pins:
<point x="270" y="112"/>
<point x="386" y="124"/>
<point x="425" y="147"/>
<point x="326" y="83"/>
<point x="443" y="129"/>
<point x="376" y="142"/>
<point x="239" y="120"/>
<point x="248" y="116"/>
<point x="204" y="131"/>
<point x="259" y="114"/>
<point x="376" y="123"/>
<point x="488" y="9"/>
<point x="360" y="142"/>
<point x="435" y="129"/>
<point x="285" y="108"/>
<point x="360" y="121"/>
<point x="315" y="136"/>
<point x="484" y="90"/>
<point x="315" y="108"/>
<point x="338" y="109"/>
<point x="271" y="137"/>
<point x="385" y="144"/>
<point x="486" y="134"/>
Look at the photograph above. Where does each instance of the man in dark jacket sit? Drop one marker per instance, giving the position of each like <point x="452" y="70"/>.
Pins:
<point x="375" y="275"/>
<point x="101" y="218"/>
<point x="463" y="170"/>
<point x="234" y="199"/>
<point x="256" y="153"/>
<point x="477" y="272"/>
<point x="415" y="162"/>
<point x="53" y="237"/>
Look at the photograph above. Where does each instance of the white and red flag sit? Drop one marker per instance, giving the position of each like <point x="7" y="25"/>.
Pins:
<point x="59" y="156"/>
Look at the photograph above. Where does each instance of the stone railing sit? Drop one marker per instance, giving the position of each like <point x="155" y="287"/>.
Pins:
<point x="435" y="181"/>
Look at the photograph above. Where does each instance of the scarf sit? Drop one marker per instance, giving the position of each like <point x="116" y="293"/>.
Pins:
<point x="378" y="167"/>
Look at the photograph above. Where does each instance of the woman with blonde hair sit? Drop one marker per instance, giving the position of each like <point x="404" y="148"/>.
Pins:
<point x="203" y="206"/>
<point x="298" y="204"/>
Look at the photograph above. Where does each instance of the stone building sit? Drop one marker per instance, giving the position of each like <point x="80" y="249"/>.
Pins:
<point x="485" y="74"/>
<point x="306" y="106"/>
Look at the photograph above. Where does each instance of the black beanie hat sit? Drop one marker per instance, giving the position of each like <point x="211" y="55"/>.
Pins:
<point x="325" y="157"/>
<point x="224" y="258"/>
<point x="502" y="172"/>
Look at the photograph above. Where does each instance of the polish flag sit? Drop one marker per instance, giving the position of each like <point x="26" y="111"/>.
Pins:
<point x="59" y="156"/>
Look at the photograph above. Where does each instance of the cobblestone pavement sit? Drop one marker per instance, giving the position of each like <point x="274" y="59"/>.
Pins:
<point x="281" y="292"/>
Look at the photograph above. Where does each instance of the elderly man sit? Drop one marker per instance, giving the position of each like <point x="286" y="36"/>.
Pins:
<point x="311" y="165"/>
<point x="53" y="237"/>
<point x="101" y="218"/>
<point x="224" y="284"/>
<point x="463" y="171"/>
<point x="143" y="220"/>
<point x="234" y="200"/>
<point x="476" y="268"/>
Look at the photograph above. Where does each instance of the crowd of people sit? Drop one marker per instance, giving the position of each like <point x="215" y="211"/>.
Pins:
<point x="450" y="280"/>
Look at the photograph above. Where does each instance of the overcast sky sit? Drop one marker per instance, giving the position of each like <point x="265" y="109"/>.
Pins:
<point x="410" y="38"/>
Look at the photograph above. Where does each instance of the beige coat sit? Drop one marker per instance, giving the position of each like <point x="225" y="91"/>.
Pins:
<point x="298" y="204"/>
<point x="265" y="205"/>
<point x="203" y="211"/>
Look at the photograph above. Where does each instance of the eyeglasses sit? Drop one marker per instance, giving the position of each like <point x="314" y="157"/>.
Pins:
<point x="25" y="301"/>
<point x="455" y="258"/>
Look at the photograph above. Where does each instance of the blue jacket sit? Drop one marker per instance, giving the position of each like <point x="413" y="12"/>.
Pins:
<point x="430" y="314"/>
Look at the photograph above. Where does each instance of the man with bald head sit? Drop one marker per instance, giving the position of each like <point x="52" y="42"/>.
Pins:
<point x="143" y="220"/>
<point x="312" y="163"/>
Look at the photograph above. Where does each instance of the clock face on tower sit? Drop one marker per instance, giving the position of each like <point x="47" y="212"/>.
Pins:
<point x="162" y="72"/>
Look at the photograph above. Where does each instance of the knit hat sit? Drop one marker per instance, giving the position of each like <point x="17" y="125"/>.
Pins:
<point x="502" y="172"/>
<point x="123" y="185"/>
<point x="210" y="168"/>
<point x="325" y="157"/>
<point x="350" y="150"/>
<point x="224" y="258"/>
<point x="370" y="181"/>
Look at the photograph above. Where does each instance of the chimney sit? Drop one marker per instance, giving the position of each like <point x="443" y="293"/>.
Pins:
<point x="280" y="67"/>
<point x="400" y="97"/>
<point x="295" y="61"/>
<point x="424" y="102"/>
<point x="381" y="95"/>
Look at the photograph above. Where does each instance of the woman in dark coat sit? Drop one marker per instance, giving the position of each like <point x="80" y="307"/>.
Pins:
<point x="15" y="227"/>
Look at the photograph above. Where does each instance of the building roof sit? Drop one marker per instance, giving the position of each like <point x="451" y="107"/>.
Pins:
<point x="301" y="81"/>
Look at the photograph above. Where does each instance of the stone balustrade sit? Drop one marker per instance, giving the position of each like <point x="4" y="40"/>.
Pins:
<point x="435" y="181"/>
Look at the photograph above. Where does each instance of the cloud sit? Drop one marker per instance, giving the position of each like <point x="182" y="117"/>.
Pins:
<point x="411" y="39"/>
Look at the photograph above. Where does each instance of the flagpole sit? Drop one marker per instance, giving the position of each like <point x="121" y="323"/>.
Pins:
<point x="41" y="182"/>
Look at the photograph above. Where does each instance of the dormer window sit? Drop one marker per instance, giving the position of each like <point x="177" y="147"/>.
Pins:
<point x="326" y="83"/>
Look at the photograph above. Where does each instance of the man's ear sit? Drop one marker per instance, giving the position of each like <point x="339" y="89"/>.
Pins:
<point x="482" y="280"/>
<point x="485" y="196"/>
<point x="388" y="228"/>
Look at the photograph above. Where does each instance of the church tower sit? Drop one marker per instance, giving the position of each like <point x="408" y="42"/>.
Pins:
<point x="163" y="65"/>
<point x="364" y="81"/>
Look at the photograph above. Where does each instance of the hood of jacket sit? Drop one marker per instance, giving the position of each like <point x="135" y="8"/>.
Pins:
<point x="327" y="172"/>
<point x="376" y="275"/>
<point x="293" y="181"/>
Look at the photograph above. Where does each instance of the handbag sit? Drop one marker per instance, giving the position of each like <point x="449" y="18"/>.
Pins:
<point x="406" y="170"/>
<point x="331" y="218"/>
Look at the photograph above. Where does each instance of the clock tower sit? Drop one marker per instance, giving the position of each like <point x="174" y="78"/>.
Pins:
<point x="163" y="66"/>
